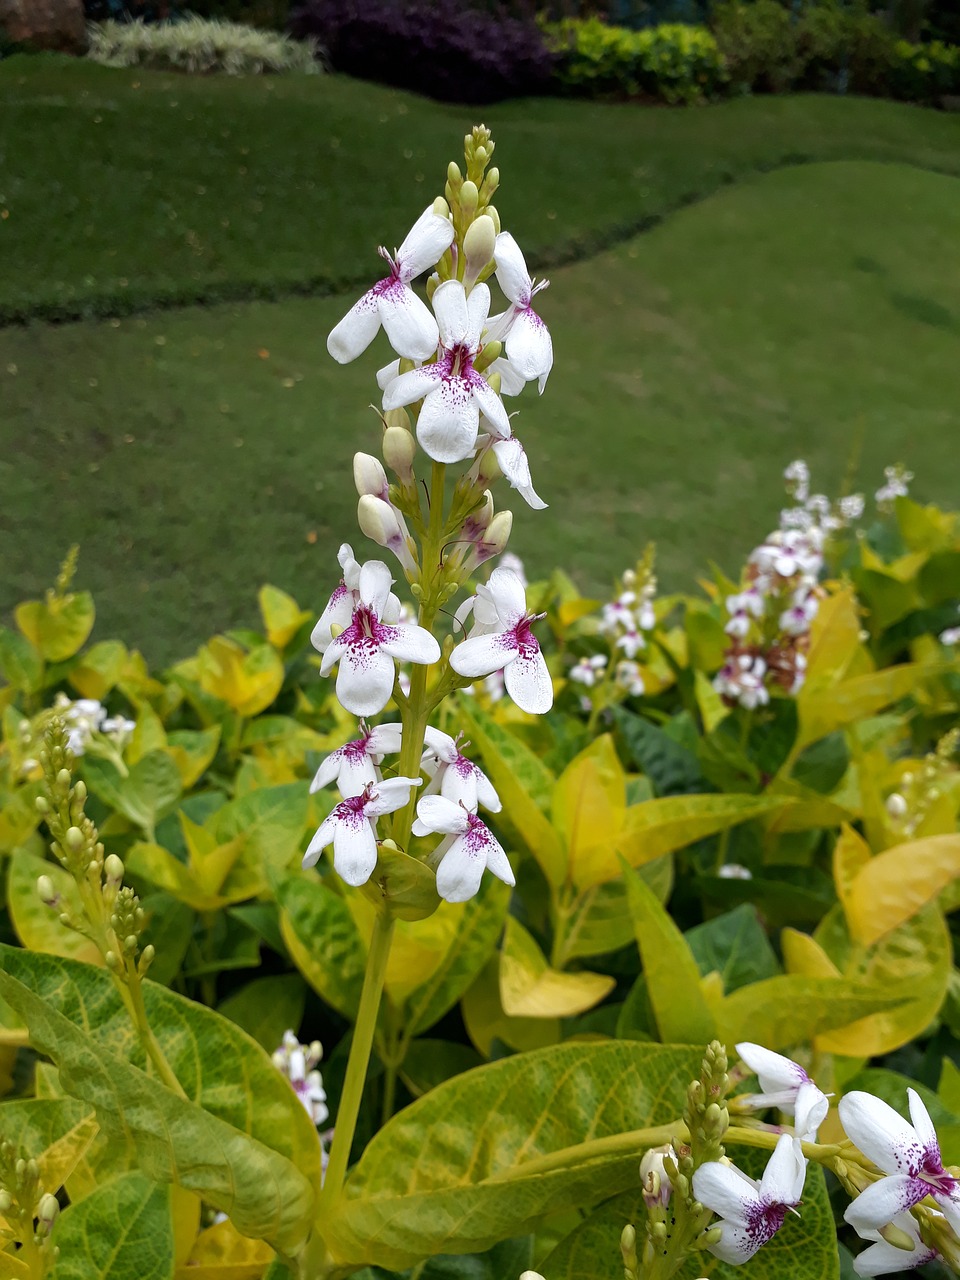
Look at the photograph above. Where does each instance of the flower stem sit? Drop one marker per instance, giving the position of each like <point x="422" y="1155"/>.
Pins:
<point x="358" y="1061"/>
<point x="132" y="992"/>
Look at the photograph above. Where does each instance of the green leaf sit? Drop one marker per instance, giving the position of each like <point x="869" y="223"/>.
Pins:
<point x="671" y="768"/>
<point x="267" y="1007"/>
<point x="272" y="820"/>
<point x="323" y="941"/>
<point x="219" y="1067"/>
<point x="805" y="1247"/>
<point x="472" y="945"/>
<point x="672" y="977"/>
<point x="736" y="946"/>
<point x="95" y="674"/>
<point x="59" y="626"/>
<point x="124" y="1231"/>
<point x="431" y="1062"/>
<point x="150" y="790"/>
<point x="176" y="1141"/>
<point x="487" y="1154"/>
<point x="525" y="786"/>
<point x="192" y="751"/>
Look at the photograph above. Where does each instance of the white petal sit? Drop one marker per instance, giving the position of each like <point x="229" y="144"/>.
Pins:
<point x="355" y="773"/>
<point x="331" y="656"/>
<point x="528" y="683"/>
<point x="391" y="794"/>
<point x="440" y="742"/>
<point x="509" y="595"/>
<point x="880" y="1132"/>
<point x="412" y="644"/>
<point x="494" y="412"/>
<point x="773" y="1070"/>
<point x="349" y="566"/>
<point x="329" y="768"/>
<point x="784" y="1176"/>
<point x="498" y="863"/>
<point x="486" y="793"/>
<point x="387" y="374"/>
<point x="882" y="1258"/>
<point x="391" y="611"/>
<point x="437" y="814"/>
<point x="424" y="244"/>
<point x="365" y="680"/>
<point x="511" y="382"/>
<point x="375" y="583"/>
<point x="322" y="837"/>
<point x="385" y="739"/>
<point x="478" y="308"/>
<point x="530" y="347"/>
<point x="459" y="873"/>
<point x="810" y="1111"/>
<point x="922" y="1123"/>
<point x="459" y="789"/>
<point x="356" y="330"/>
<point x="450" y="308"/>
<point x="514" y="465"/>
<point x="482" y="655"/>
<point x="449" y="421"/>
<point x="338" y="612"/>
<point x="409" y="323"/>
<point x="883" y="1200"/>
<point x="410" y="386"/>
<point x="355" y="851"/>
<point x="726" y="1191"/>
<point x="512" y="274"/>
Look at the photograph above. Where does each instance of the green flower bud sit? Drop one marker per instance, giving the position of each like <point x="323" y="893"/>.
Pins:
<point x="6" y="1202"/>
<point x="43" y="804"/>
<point x="64" y="778"/>
<point x="147" y="957"/>
<point x="469" y="198"/>
<point x="492" y="214"/>
<point x="74" y="839"/>
<point x="478" y="246"/>
<point x="441" y="208"/>
<point x="48" y="1210"/>
<point x="47" y="892"/>
<point x="454" y="176"/>
<point x="80" y="791"/>
<point x="113" y="869"/>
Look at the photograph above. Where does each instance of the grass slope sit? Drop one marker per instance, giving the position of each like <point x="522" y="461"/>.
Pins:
<point x="783" y="317"/>
<point x="127" y="188"/>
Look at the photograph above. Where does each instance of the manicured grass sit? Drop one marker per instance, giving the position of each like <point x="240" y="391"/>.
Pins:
<point x="795" y="314"/>
<point x="131" y="188"/>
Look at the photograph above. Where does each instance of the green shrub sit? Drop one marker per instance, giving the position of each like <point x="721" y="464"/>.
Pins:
<point x="199" y="45"/>
<point x="672" y="62"/>
<point x="924" y="72"/>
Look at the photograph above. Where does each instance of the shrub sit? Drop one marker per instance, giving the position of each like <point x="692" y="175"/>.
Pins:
<point x="671" y="62"/>
<point x="437" y="47"/>
<point x="924" y="72"/>
<point x="199" y="45"/>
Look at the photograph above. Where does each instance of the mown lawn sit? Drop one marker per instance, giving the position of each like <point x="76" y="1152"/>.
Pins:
<point x="196" y="453"/>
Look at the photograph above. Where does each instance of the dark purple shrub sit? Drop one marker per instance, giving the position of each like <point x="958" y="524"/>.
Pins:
<point x="442" y="48"/>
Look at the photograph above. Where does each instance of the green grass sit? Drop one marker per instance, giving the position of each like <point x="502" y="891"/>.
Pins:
<point x="792" y="315"/>
<point x="127" y="188"/>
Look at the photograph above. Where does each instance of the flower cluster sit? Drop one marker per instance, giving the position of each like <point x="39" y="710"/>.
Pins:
<point x="920" y="789"/>
<point x="298" y="1062"/>
<point x="896" y="484"/>
<point x="625" y="624"/>
<point x="443" y="395"/>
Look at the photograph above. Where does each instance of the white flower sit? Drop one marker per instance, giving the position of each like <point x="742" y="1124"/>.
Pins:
<point x="883" y="1257"/>
<point x="351" y="828"/>
<point x="656" y="1190"/>
<point x="512" y="461"/>
<point x="528" y="343"/>
<point x="502" y="641"/>
<point x="797" y="476"/>
<point x="391" y="302"/>
<point x="751" y="1213"/>
<point x="468" y="849"/>
<point x="908" y="1154"/>
<point x="452" y="391"/>
<point x="509" y="560"/>
<point x="367" y="647"/>
<point x="339" y="608"/>
<point x="796" y="620"/>
<point x="82" y="718"/>
<point x="741" y="680"/>
<point x="589" y="670"/>
<point x="785" y="1085"/>
<point x="118" y="726"/>
<point x="851" y="507"/>
<point x="951" y="636"/>
<point x="735" y="871"/>
<point x="355" y="764"/>
<point x="454" y="776"/>
<point x="298" y="1063"/>
<point x="629" y="678"/>
<point x="896" y="804"/>
<point x="897" y="486"/>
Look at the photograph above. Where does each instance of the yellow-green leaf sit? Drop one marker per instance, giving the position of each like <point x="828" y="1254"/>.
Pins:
<point x="246" y="681"/>
<point x="892" y="887"/>
<point x="123" y="1231"/>
<point x="323" y="940"/>
<point x="855" y="699"/>
<point x="672" y="977"/>
<point x="53" y="1131"/>
<point x="192" y="751"/>
<point x="282" y="616"/>
<point x="59" y="626"/>
<point x="530" y="988"/>
<point x="486" y="1022"/>
<point x="38" y="926"/>
<point x="523" y="1137"/>
<point x="834" y="639"/>
<point x="221" y="1253"/>
<point x="850" y="854"/>
<point x="100" y="668"/>
<point x="589" y="808"/>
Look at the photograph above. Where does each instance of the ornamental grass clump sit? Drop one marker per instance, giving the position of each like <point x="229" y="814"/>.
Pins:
<point x="200" y="46"/>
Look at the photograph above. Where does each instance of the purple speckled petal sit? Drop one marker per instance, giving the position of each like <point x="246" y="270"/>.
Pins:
<point x="354" y="849"/>
<point x="449" y="421"/>
<point x="883" y="1200"/>
<point x="481" y="655"/>
<point x="408" y="322"/>
<point x="460" y="872"/>
<point x="412" y="385"/>
<point x="356" y="330"/>
<point x="528" y="682"/>
<point x="365" y="678"/>
<point x="881" y="1133"/>
<point x="530" y="347"/>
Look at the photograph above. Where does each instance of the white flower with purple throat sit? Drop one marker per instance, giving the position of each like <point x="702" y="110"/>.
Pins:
<point x="751" y="1212"/>
<point x="469" y="848"/>
<point x="351" y="827"/>
<point x="357" y="764"/>
<point x="453" y="776"/>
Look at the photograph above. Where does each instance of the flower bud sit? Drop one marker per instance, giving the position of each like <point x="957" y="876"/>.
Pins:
<point x="899" y="1239"/>
<point x="454" y="176"/>
<point x="381" y="523"/>
<point x="441" y="208"/>
<point x="113" y="869"/>
<point x="478" y="246"/>
<point x="655" y="1178"/>
<point x="491" y="213"/>
<point x="498" y="535"/>
<point x="369" y="476"/>
<point x="399" y="450"/>
<point x="896" y="805"/>
<point x="64" y="779"/>
<point x="47" y="892"/>
<point x="469" y="197"/>
<point x="48" y="1211"/>
<point x="146" y="959"/>
<point x="6" y="1202"/>
<point x="73" y="839"/>
<point x="80" y="791"/>
<point x="43" y="804"/>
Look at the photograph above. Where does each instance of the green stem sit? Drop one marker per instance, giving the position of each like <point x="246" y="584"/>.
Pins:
<point x="822" y="1153"/>
<point x="132" y="990"/>
<point x="358" y="1061"/>
<point x="745" y="726"/>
